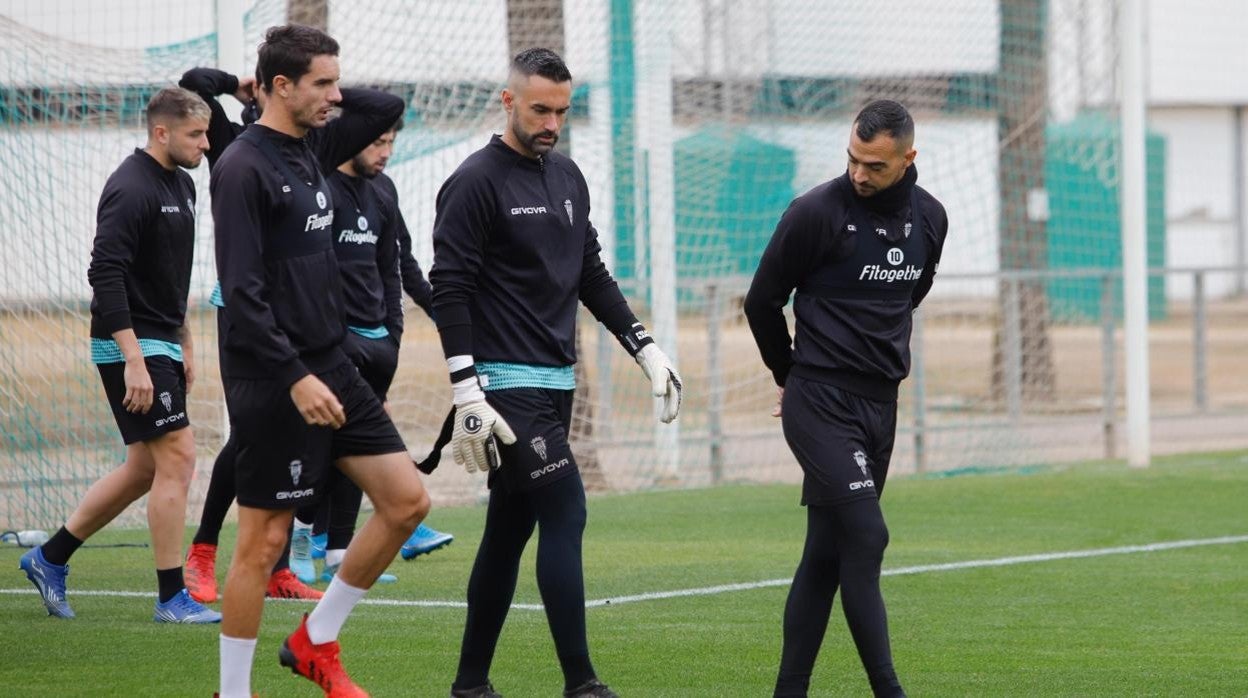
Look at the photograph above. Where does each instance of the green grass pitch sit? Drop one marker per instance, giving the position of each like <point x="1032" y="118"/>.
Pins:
<point x="1161" y="623"/>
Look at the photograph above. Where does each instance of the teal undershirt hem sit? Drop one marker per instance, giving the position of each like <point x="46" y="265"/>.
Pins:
<point x="106" y="351"/>
<point x="501" y="375"/>
<point x="370" y="332"/>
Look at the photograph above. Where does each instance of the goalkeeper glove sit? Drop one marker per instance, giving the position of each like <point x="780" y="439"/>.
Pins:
<point x="664" y="380"/>
<point x="476" y="426"/>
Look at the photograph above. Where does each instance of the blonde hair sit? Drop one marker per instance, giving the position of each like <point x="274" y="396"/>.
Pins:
<point x="175" y="104"/>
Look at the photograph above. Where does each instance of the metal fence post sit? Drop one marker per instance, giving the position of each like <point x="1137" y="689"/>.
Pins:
<point x="1109" y="409"/>
<point x="714" y="381"/>
<point x="919" y="380"/>
<point x="1199" y="343"/>
<point x="604" y="352"/>
<point x="1013" y="350"/>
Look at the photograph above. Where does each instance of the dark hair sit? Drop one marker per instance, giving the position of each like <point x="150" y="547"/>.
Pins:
<point x="289" y="49"/>
<point x="175" y="103"/>
<point x="543" y="62"/>
<point x="885" y="116"/>
<point x="398" y="126"/>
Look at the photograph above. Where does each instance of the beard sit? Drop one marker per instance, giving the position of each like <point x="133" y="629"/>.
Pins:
<point x="530" y="142"/>
<point x="190" y="160"/>
<point x="364" y="169"/>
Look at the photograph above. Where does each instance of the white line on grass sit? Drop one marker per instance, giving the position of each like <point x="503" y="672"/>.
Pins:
<point x="767" y="583"/>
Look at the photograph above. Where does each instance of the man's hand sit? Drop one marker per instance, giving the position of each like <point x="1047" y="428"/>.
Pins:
<point x="476" y="425"/>
<point x="317" y="403"/>
<point x="777" y="411"/>
<point x="246" y="89"/>
<point x="664" y="380"/>
<point x="139" y="388"/>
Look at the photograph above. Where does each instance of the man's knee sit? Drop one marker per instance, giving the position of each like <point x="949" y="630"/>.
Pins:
<point x="174" y="453"/>
<point x="261" y="548"/>
<point x="406" y="509"/>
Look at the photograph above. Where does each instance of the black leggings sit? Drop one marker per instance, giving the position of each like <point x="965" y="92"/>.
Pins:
<point x="337" y="513"/>
<point x="558" y="512"/>
<point x="844" y="548"/>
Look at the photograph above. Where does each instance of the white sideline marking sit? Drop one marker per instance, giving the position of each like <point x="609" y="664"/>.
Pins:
<point x="767" y="583"/>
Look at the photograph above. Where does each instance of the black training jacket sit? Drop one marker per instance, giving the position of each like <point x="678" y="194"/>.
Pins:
<point x="140" y="271"/>
<point x="860" y="266"/>
<point x="366" y="244"/>
<point x="513" y="252"/>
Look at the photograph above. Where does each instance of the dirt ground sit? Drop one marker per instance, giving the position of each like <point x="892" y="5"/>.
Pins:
<point x="58" y="435"/>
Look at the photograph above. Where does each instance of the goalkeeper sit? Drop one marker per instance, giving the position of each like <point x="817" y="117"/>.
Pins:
<point x="861" y="251"/>
<point x="513" y="252"/>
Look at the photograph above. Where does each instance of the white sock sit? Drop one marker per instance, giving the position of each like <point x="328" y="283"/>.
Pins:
<point x="326" y="620"/>
<point x="301" y="526"/>
<point x="333" y="558"/>
<point x="236" y="657"/>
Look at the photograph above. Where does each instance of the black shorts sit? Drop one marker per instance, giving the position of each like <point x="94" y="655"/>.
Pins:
<point x="843" y="441"/>
<point x="281" y="461"/>
<point x="377" y="360"/>
<point x="168" y="412"/>
<point x="540" y="418"/>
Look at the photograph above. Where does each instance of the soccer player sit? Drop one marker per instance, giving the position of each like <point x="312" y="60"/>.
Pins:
<point x="368" y="234"/>
<point x="140" y="275"/>
<point x="861" y="250"/>
<point x="361" y="119"/>
<point x="297" y="405"/>
<point x="201" y="581"/>
<point x="513" y="252"/>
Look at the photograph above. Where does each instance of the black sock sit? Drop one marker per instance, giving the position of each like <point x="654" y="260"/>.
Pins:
<point x="170" y="582"/>
<point x="60" y="547"/>
<point x="219" y="497"/>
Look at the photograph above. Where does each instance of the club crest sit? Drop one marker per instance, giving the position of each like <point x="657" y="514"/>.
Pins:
<point x="860" y="459"/>
<point x="166" y="400"/>
<point x="296" y="470"/>
<point x="539" y="447"/>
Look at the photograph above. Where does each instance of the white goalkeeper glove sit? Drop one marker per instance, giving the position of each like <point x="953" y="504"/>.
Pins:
<point x="664" y="380"/>
<point x="476" y="426"/>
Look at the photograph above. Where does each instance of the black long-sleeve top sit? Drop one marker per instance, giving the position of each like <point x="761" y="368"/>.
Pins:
<point x="513" y="251"/>
<point x="140" y="271"/>
<point x="367" y="247"/>
<point x="280" y="282"/>
<point x="860" y="266"/>
<point x="414" y="281"/>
